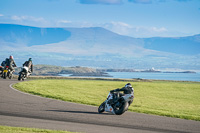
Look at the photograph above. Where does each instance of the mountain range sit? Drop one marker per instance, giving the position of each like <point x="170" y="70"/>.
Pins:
<point x="97" y="47"/>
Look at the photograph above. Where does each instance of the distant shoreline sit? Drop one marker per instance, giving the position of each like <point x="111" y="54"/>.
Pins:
<point x="103" y="78"/>
<point x="78" y="71"/>
<point x="152" y="70"/>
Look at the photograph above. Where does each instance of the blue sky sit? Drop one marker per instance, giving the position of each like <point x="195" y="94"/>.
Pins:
<point x="136" y="18"/>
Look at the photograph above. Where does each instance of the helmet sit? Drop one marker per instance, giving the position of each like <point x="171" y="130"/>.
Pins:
<point x="128" y="85"/>
<point x="30" y="59"/>
<point x="11" y="57"/>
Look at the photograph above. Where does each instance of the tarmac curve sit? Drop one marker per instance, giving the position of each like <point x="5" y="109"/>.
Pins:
<point x="24" y="110"/>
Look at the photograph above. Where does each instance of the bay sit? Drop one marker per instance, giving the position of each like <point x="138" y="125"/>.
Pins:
<point x="151" y="75"/>
<point x="157" y="76"/>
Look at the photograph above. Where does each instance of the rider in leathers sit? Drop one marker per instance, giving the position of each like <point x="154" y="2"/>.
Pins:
<point x="127" y="89"/>
<point x="11" y="64"/>
<point x="29" y="64"/>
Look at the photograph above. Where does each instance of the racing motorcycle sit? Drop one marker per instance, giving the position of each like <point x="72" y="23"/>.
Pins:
<point x="23" y="73"/>
<point x="7" y="73"/>
<point x="116" y="104"/>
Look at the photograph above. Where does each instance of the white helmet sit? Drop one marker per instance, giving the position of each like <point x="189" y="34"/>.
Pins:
<point x="128" y="85"/>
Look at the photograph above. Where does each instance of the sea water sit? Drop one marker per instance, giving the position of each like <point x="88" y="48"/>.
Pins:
<point x="151" y="75"/>
<point x="157" y="75"/>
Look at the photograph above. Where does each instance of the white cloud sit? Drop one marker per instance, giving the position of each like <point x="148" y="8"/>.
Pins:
<point x="121" y="24"/>
<point x="183" y="0"/>
<point x="27" y="18"/>
<point x="64" y="21"/>
<point x="118" y="27"/>
<point x="155" y="29"/>
<point x="15" y="18"/>
<point x="109" y="2"/>
<point x="135" y="31"/>
<point x="149" y="32"/>
<point x="141" y="1"/>
<point x="154" y="1"/>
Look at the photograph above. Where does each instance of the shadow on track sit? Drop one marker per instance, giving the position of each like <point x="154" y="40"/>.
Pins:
<point x="81" y="112"/>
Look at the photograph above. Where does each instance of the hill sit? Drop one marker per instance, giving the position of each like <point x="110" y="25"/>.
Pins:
<point x="180" y="45"/>
<point x="18" y="35"/>
<point x="97" y="47"/>
<point x="50" y="70"/>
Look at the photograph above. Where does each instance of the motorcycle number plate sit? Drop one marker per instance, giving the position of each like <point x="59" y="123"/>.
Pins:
<point x="5" y="71"/>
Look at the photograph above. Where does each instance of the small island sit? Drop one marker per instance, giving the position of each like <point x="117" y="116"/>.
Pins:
<point x="151" y="70"/>
<point x="181" y="72"/>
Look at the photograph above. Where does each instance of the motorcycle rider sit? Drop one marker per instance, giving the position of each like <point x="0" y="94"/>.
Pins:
<point x="29" y="64"/>
<point x="127" y="89"/>
<point x="11" y="63"/>
<point x="5" y="62"/>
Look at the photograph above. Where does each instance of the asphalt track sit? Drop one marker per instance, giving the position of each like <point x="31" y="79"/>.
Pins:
<point x="24" y="110"/>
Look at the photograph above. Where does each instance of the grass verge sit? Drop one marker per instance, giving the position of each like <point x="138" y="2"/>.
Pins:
<point x="7" y="129"/>
<point x="166" y="98"/>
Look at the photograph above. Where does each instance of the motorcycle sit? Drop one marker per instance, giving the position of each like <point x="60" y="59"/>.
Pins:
<point x="7" y="73"/>
<point x="23" y="73"/>
<point x="116" y="104"/>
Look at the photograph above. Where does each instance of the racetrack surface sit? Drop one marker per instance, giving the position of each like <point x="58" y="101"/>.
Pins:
<point x="25" y="110"/>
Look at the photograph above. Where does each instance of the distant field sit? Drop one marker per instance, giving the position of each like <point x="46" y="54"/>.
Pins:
<point x="166" y="98"/>
<point x="6" y="129"/>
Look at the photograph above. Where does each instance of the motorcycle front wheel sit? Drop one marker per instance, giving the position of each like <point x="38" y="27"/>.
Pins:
<point x="101" y="108"/>
<point x="121" y="109"/>
<point x="20" y="77"/>
<point x="10" y="75"/>
<point x="5" y="75"/>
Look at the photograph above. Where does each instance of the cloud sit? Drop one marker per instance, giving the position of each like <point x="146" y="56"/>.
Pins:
<point x="155" y="29"/>
<point x="183" y="0"/>
<point x="53" y="0"/>
<point x="141" y="1"/>
<point x="64" y="21"/>
<point x="118" y="27"/>
<point x="149" y="32"/>
<point x="105" y="2"/>
<point x="25" y="20"/>
<point x="153" y="1"/>
<point x="117" y="2"/>
<point x="136" y="31"/>
<point x="28" y="18"/>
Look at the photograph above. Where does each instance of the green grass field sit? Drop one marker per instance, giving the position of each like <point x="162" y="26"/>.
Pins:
<point x="173" y="99"/>
<point x="7" y="129"/>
